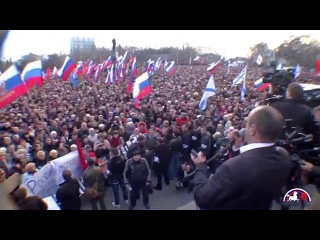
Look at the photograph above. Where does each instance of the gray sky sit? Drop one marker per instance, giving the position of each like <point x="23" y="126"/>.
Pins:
<point x="229" y="43"/>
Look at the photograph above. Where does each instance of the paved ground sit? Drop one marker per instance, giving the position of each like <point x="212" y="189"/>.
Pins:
<point x="168" y="199"/>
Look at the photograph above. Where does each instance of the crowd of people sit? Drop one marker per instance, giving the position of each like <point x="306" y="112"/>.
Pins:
<point x="45" y="125"/>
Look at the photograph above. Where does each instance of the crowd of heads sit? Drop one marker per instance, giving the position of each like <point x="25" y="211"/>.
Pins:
<point x="45" y="124"/>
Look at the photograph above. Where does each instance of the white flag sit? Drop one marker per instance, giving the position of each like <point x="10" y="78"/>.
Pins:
<point x="259" y="60"/>
<point x="279" y="67"/>
<point x="209" y="91"/>
<point x="241" y="77"/>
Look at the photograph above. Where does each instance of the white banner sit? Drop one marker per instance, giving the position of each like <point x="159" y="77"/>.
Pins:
<point x="45" y="182"/>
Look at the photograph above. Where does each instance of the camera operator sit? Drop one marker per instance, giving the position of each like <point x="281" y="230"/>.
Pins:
<point x="291" y="108"/>
<point x="251" y="180"/>
<point x="316" y="113"/>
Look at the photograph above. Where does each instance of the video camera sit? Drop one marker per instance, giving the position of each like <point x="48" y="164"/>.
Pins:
<point x="279" y="79"/>
<point x="299" y="146"/>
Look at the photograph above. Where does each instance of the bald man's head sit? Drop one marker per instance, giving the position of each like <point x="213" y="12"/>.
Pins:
<point x="264" y="125"/>
<point x="30" y="168"/>
<point x="66" y="174"/>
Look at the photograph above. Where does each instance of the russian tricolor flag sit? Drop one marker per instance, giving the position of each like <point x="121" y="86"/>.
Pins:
<point x="108" y="62"/>
<point x="213" y="67"/>
<point x="32" y="74"/>
<point x="13" y="85"/>
<point x="108" y="79"/>
<point x="66" y="69"/>
<point x="141" y="88"/>
<point x="171" y="68"/>
<point x="132" y="75"/>
<point x="260" y="85"/>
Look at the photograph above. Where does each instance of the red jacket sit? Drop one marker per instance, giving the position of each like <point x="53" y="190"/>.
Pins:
<point x="182" y="121"/>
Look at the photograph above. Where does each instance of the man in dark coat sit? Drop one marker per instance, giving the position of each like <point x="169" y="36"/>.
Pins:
<point x="251" y="180"/>
<point x="68" y="194"/>
<point x="91" y="176"/>
<point x="161" y="160"/>
<point x="292" y="108"/>
<point x="137" y="177"/>
<point x="140" y="145"/>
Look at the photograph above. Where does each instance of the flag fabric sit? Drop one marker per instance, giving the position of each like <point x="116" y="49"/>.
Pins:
<point x="241" y="77"/>
<point x="108" y="62"/>
<point x="112" y="74"/>
<point x="228" y="67"/>
<point x="67" y="68"/>
<point x="260" y="85"/>
<point x="108" y="79"/>
<point x="165" y="64"/>
<point x="297" y="71"/>
<point x="48" y="73"/>
<point x="32" y="74"/>
<point x="98" y="72"/>
<point x="197" y="58"/>
<point x="82" y="159"/>
<point x="12" y="86"/>
<point x="78" y="70"/>
<point x="259" y="60"/>
<point x="54" y="71"/>
<point x="209" y="91"/>
<point x="150" y="67"/>
<point x="132" y="75"/>
<point x="279" y="67"/>
<point x="213" y="66"/>
<point x="318" y="65"/>
<point x="158" y="64"/>
<point x="170" y="70"/>
<point x="73" y="79"/>
<point x="243" y="90"/>
<point x="141" y="88"/>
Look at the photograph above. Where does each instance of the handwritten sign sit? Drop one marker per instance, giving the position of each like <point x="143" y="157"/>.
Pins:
<point x="45" y="182"/>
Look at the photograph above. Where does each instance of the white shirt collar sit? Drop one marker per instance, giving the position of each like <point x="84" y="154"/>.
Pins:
<point x="254" y="146"/>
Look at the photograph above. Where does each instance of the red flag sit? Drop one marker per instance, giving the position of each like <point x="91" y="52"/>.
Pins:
<point x="48" y="73"/>
<point x="318" y="66"/>
<point x="82" y="159"/>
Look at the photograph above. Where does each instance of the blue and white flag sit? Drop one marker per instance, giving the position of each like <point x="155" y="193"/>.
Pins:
<point x="297" y="71"/>
<point x="243" y="89"/>
<point x="241" y="77"/>
<point x="279" y="67"/>
<point x="209" y="91"/>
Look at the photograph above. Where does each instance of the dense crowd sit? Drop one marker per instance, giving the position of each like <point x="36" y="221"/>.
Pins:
<point x="46" y="123"/>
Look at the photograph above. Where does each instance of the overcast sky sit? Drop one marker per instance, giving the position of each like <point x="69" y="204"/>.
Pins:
<point x="229" y="43"/>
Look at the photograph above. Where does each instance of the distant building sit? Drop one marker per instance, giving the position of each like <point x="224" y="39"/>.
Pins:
<point x="81" y="44"/>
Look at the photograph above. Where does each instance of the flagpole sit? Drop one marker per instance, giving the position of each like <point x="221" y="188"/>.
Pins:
<point x="177" y="56"/>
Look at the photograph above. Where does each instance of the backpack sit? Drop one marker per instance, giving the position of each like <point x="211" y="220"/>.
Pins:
<point x="92" y="192"/>
<point x="138" y="172"/>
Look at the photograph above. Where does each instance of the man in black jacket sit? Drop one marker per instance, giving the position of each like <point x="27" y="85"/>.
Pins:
<point x="300" y="114"/>
<point x="251" y="180"/>
<point x="116" y="168"/>
<point x="137" y="177"/>
<point x="139" y="145"/>
<point x="205" y="141"/>
<point x="68" y="194"/>
<point x="161" y="159"/>
<point x="175" y="145"/>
